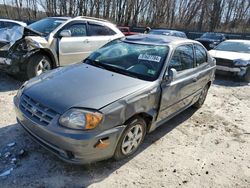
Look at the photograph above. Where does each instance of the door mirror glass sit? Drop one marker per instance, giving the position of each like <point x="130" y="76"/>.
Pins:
<point x="65" y="33"/>
<point x="171" y="75"/>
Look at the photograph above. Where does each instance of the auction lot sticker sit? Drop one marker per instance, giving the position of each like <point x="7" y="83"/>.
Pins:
<point x="147" y="57"/>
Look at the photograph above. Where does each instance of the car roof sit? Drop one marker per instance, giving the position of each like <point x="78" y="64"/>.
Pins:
<point x="157" y="39"/>
<point x="13" y="21"/>
<point x="215" y="33"/>
<point x="235" y="40"/>
<point x="62" y="18"/>
<point x="167" y="30"/>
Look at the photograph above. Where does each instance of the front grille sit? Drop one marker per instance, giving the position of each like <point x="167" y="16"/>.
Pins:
<point x="224" y="62"/>
<point x="36" y="111"/>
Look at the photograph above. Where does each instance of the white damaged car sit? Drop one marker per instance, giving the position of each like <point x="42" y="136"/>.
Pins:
<point x="233" y="57"/>
<point x="56" y="41"/>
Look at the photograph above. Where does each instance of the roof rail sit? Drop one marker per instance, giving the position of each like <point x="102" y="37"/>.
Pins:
<point x="93" y="18"/>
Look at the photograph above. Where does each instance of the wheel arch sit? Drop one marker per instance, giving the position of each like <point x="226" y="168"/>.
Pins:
<point x="209" y="83"/>
<point x="146" y="116"/>
<point x="49" y="54"/>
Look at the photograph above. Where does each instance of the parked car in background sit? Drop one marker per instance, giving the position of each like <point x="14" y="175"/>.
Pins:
<point x="104" y="106"/>
<point x="126" y="31"/>
<point x="166" y="32"/>
<point x="210" y="40"/>
<point x="233" y="57"/>
<point x="57" y="41"/>
<point x="10" y="23"/>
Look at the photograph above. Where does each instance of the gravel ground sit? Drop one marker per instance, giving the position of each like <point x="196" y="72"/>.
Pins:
<point x="209" y="147"/>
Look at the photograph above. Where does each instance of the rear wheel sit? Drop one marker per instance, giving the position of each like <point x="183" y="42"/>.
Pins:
<point x="37" y="65"/>
<point x="202" y="97"/>
<point x="131" y="138"/>
<point x="247" y="75"/>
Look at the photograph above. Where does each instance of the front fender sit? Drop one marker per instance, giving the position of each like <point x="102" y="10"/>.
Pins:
<point x="145" y="101"/>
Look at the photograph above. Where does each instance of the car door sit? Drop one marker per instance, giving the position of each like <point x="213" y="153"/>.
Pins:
<point x="99" y="35"/>
<point x="74" y="48"/>
<point x="180" y="92"/>
<point x="202" y="68"/>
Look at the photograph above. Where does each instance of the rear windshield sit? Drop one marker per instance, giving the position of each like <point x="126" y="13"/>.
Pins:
<point x="47" y="25"/>
<point x="135" y="60"/>
<point x="243" y="47"/>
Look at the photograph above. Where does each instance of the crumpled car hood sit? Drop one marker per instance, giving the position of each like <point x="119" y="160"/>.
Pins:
<point x="230" y="55"/>
<point x="8" y="36"/>
<point x="81" y="85"/>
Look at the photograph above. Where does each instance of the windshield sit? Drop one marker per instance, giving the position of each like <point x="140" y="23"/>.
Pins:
<point x="243" y="47"/>
<point x="136" y="60"/>
<point x="214" y="36"/>
<point x="47" y="25"/>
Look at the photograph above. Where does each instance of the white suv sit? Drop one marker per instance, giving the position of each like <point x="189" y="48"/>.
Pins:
<point x="57" y="41"/>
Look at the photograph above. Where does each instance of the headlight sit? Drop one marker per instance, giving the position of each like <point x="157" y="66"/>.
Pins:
<point x="26" y="45"/>
<point x="241" y="62"/>
<point x="80" y="119"/>
<point x="22" y="46"/>
<point x="20" y="91"/>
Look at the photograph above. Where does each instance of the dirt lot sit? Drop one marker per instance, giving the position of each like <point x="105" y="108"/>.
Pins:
<point x="205" y="148"/>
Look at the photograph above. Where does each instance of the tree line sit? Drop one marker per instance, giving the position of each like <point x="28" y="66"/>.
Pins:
<point x="200" y="15"/>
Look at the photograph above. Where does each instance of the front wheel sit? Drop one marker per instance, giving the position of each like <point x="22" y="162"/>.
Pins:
<point x="131" y="138"/>
<point x="202" y="97"/>
<point x="37" y="65"/>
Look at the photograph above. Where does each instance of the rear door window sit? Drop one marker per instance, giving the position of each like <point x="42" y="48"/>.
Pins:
<point x="100" y="30"/>
<point x="183" y="58"/>
<point x="201" y="55"/>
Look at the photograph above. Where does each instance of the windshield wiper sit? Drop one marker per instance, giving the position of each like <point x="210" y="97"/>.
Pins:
<point x="95" y="63"/>
<point x="111" y="68"/>
<point x="121" y="71"/>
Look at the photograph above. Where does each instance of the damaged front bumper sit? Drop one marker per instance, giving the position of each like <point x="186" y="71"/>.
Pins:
<point x="78" y="147"/>
<point x="237" y="71"/>
<point x="12" y="66"/>
<point x="15" y="62"/>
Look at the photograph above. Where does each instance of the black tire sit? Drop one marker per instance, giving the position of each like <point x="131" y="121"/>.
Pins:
<point x="247" y="75"/>
<point x="19" y="76"/>
<point x="202" y="97"/>
<point x="134" y="122"/>
<point x="34" y="67"/>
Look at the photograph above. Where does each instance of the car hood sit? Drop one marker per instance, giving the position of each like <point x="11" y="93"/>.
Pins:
<point x="229" y="55"/>
<point x="8" y="36"/>
<point x="82" y="86"/>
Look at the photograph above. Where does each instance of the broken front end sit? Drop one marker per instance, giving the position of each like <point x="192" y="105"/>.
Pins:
<point x="239" y="68"/>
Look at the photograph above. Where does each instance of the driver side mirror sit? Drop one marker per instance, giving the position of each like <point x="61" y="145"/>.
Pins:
<point x="171" y="75"/>
<point x="65" y="33"/>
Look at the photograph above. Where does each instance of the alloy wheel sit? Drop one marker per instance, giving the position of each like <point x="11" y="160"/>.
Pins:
<point x="43" y="65"/>
<point x="132" y="139"/>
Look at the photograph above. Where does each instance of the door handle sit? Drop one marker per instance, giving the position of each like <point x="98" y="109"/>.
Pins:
<point x="195" y="79"/>
<point x="86" y="40"/>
